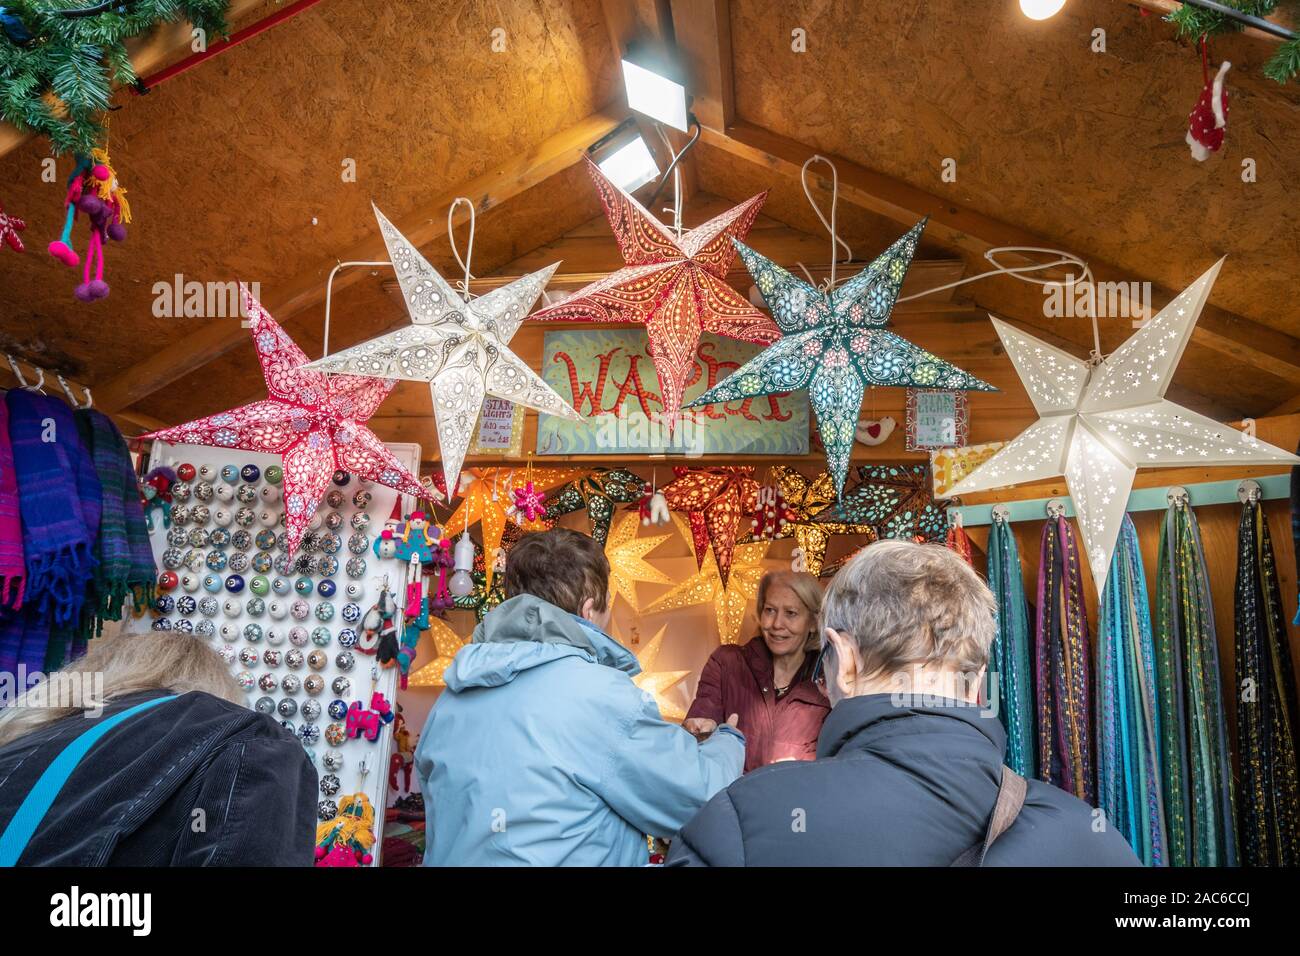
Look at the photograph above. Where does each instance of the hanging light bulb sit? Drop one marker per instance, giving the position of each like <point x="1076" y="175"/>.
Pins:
<point x="461" y="583"/>
<point x="1041" y="9"/>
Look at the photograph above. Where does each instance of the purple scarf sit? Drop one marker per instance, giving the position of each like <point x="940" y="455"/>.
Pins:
<point x="59" y="498"/>
<point x="12" y="566"/>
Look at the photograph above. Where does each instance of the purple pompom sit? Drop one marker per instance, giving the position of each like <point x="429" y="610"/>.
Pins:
<point x="91" y="205"/>
<point x="116" y="231"/>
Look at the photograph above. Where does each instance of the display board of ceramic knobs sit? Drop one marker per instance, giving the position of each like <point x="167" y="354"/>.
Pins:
<point x="289" y="628"/>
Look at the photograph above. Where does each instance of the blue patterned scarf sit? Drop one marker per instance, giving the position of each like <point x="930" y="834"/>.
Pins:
<point x="1010" y="677"/>
<point x="1128" y="717"/>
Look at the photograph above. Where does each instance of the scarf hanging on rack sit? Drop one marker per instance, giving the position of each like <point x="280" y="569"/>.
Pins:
<point x="958" y="540"/>
<point x="1196" y="771"/>
<point x="1010" y="683"/>
<point x="1128" y="728"/>
<point x="59" y="499"/>
<point x="1063" y="681"/>
<point x="1268" y="801"/>
<point x="1295" y="531"/>
<point x="125" y="566"/>
<point x="12" y="566"/>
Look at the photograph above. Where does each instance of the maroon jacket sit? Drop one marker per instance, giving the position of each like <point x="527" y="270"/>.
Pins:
<point x="738" y="680"/>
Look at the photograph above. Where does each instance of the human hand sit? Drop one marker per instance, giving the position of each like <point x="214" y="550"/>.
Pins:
<point x="700" y="727"/>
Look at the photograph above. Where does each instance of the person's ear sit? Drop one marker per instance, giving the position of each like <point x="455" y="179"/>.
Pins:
<point x="588" y="611"/>
<point x="847" y="664"/>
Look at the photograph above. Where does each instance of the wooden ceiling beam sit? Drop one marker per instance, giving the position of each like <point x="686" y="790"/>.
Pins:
<point x="1166" y="7"/>
<point x="975" y="234"/>
<point x="149" y="53"/>
<point x="703" y="30"/>
<point x="421" y="226"/>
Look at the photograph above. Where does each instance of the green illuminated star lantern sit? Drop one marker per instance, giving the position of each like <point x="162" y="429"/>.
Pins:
<point x="835" y="344"/>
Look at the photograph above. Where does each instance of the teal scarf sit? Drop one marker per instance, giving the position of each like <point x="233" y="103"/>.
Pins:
<point x="1010" y="679"/>
<point x="1128" y="719"/>
<point x="1196" y="768"/>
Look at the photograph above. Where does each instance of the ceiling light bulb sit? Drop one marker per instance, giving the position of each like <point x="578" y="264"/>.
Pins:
<point x="1041" y="9"/>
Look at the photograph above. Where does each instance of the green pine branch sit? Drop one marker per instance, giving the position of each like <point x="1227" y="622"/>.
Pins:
<point x="60" y="84"/>
<point x="1196" y="22"/>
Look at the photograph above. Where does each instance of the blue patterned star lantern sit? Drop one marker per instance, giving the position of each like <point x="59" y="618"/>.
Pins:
<point x="835" y="344"/>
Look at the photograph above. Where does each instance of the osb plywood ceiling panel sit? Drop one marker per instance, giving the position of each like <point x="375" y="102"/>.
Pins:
<point x="228" y="164"/>
<point x="1080" y="147"/>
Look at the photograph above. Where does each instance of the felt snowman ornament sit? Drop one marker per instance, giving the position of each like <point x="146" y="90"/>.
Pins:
<point x="1207" y="122"/>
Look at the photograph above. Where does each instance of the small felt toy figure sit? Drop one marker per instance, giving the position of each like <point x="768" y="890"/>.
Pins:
<point x="1209" y="118"/>
<point x="368" y="723"/>
<point x="653" y="506"/>
<point x="402" y="655"/>
<point x="347" y="839"/>
<point x="417" y="538"/>
<point x="93" y="189"/>
<point x="876" y="432"/>
<point x="385" y="545"/>
<point x="156" y="492"/>
<point x="10" y="226"/>
<point x="379" y="623"/>
<point x="403" y="759"/>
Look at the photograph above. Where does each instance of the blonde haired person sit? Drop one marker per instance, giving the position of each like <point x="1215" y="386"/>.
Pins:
<point x="768" y="681"/>
<point x="909" y="766"/>
<point x="141" y="753"/>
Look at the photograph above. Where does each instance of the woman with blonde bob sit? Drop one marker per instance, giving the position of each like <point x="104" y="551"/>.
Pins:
<point x="768" y="681"/>
<point x="142" y="753"/>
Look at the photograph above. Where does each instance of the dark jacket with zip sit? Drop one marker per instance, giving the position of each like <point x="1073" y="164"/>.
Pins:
<point x="738" y="679"/>
<point x="131" y="801"/>
<point x="894" y="786"/>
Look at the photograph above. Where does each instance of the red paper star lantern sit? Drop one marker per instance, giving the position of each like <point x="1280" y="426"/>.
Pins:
<point x="715" y="500"/>
<point x="675" y="287"/>
<point x="313" y="420"/>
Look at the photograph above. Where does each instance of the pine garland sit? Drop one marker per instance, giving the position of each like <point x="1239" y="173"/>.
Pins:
<point x="1196" y="22"/>
<point x="57" y="72"/>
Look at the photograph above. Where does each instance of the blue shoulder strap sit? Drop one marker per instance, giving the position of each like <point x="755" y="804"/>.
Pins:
<point x="38" y="801"/>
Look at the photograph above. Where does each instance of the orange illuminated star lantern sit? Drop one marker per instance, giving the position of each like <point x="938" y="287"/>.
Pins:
<point x="730" y="600"/>
<point x="658" y="683"/>
<point x="714" y="500"/>
<point x="676" y="286"/>
<point x="446" y="642"/>
<point x="490" y="499"/>
<point x="627" y="564"/>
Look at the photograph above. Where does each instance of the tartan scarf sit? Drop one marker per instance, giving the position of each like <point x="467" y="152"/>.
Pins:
<point x="125" y="560"/>
<point x="1010" y="680"/>
<point x="1268" y="802"/>
<point x="1128" y="717"/>
<point x="1196" y="765"/>
<point x="1062" y="652"/>
<point x="12" y="566"/>
<point x="59" y="499"/>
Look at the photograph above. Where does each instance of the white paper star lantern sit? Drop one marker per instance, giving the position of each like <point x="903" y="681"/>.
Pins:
<point x="1098" y="424"/>
<point x="458" y="347"/>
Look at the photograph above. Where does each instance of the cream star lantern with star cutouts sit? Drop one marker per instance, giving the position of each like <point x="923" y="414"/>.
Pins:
<point x="1099" y="423"/>
<point x="458" y="347"/>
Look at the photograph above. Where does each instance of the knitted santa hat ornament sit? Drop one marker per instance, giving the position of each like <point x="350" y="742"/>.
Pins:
<point x="1206" y="123"/>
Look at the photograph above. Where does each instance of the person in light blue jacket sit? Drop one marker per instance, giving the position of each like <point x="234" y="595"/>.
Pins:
<point x="541" y="751"/>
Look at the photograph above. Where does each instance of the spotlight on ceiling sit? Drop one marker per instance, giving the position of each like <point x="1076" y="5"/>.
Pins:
<point x="625" y="158"/>
<point x="654" y="86"/>
<point x="1041" y="9"/>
